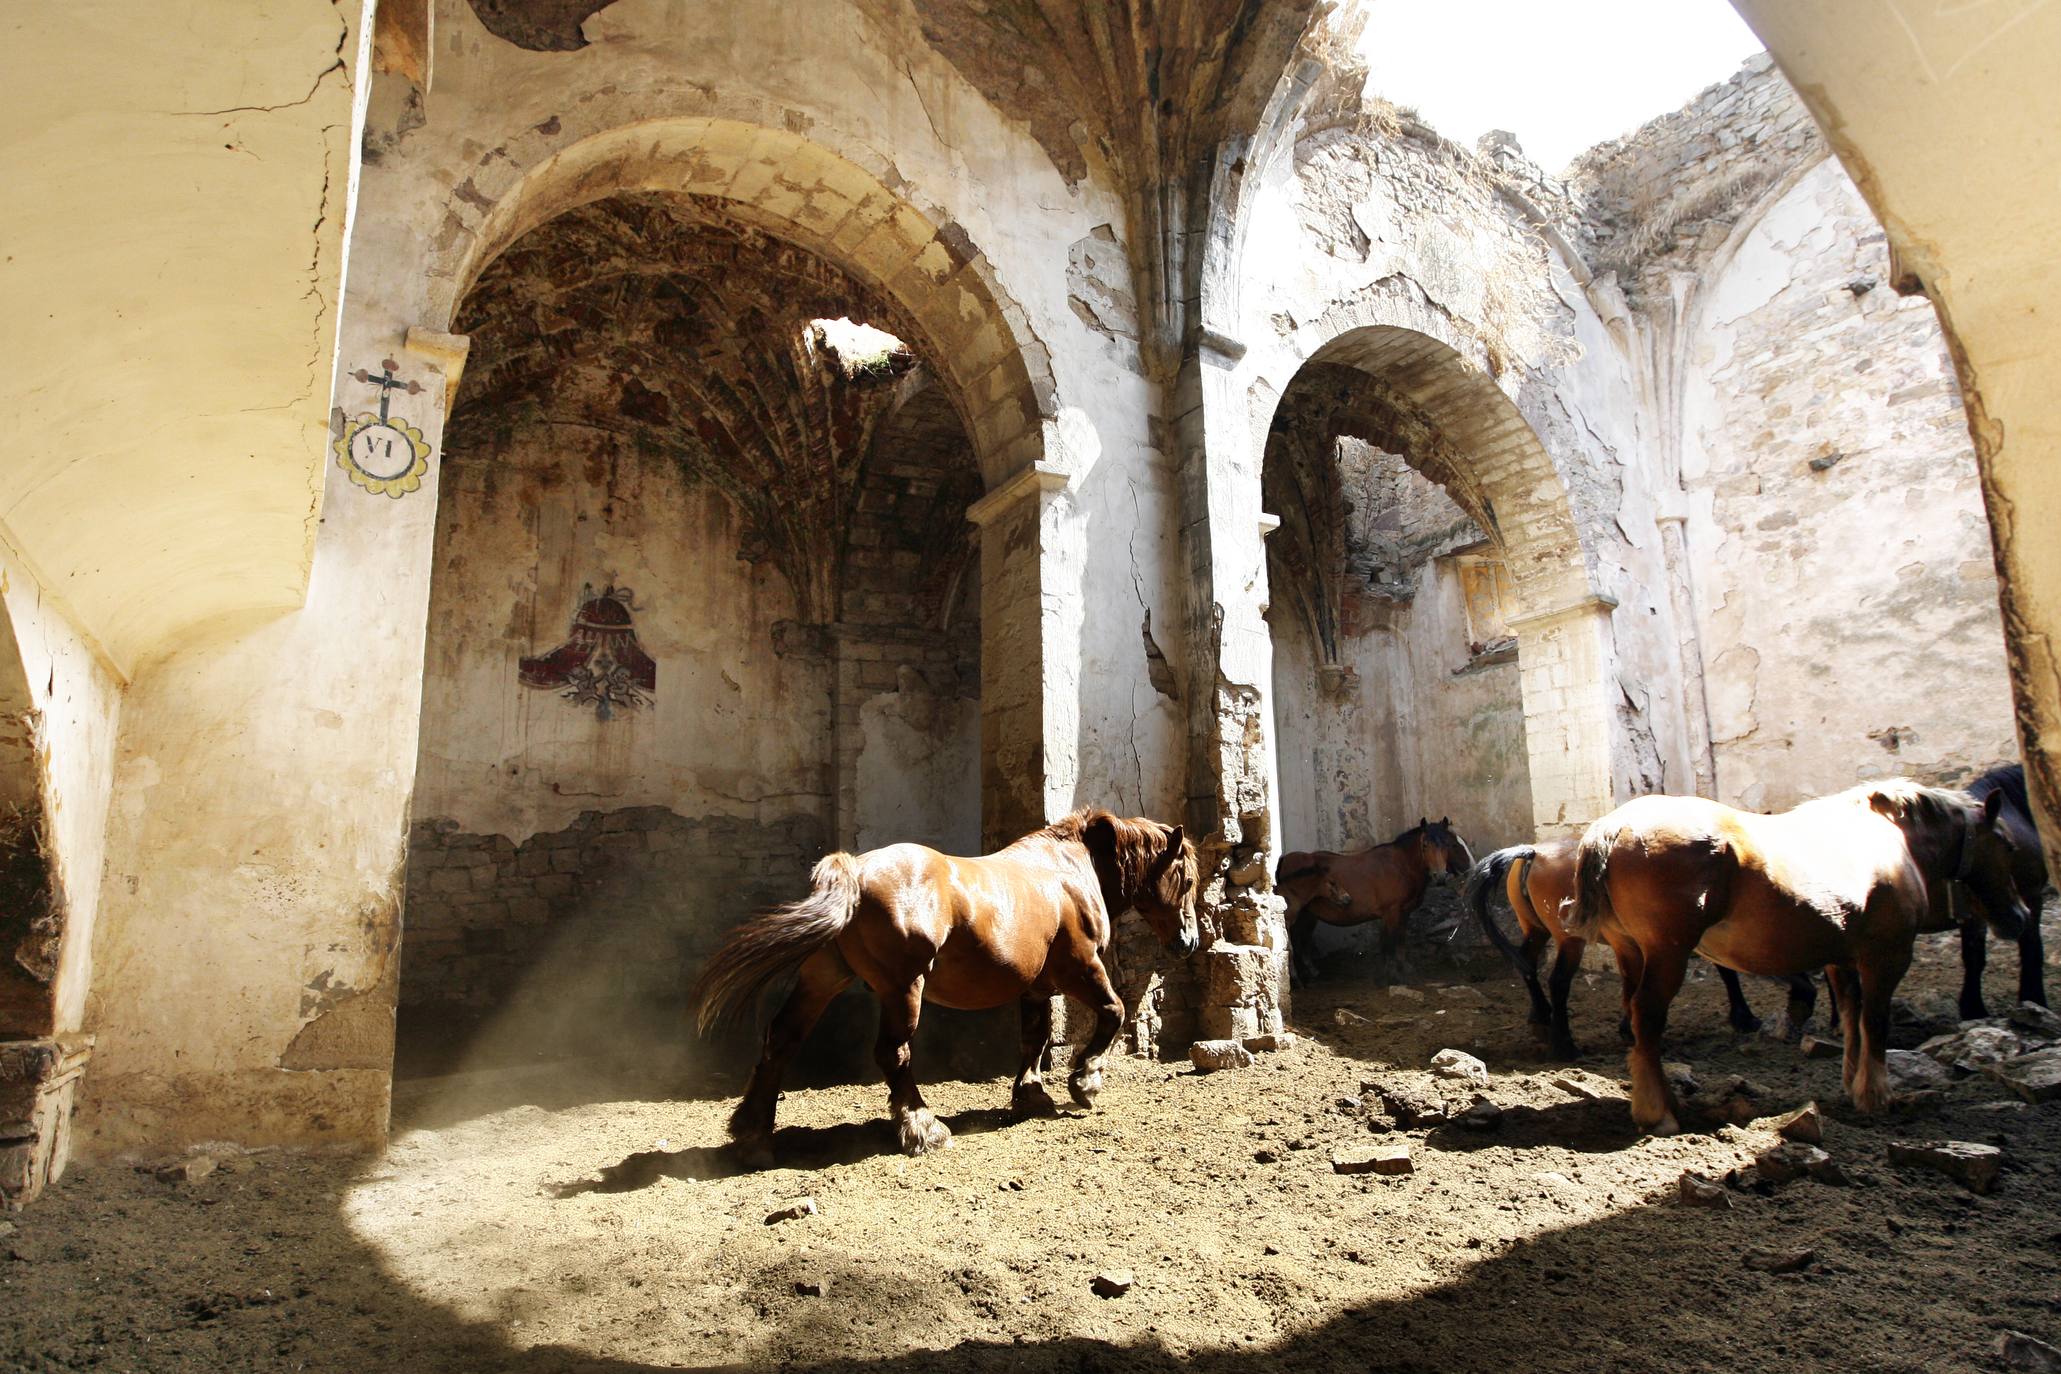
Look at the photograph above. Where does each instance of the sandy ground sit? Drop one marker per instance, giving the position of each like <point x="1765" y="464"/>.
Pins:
<point x="482" y="1241"/>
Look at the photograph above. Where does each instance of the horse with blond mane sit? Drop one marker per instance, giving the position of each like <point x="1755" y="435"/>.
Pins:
<point x="1021" y="925"/>
<point x="1843" y="883"/>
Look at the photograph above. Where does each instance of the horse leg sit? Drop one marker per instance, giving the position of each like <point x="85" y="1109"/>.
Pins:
<point x="1089" y="983"/>
<point x="1974" y="957"/>
<point x="1541" y="1010"/>
<point x="1660" y="978"/>
<point x="1803" y="1000"/>
<point x="899" y="1011"/>
<point x="1629" y="963"/>
<point x="1566" y="962"/>
<point x="1392" y="945"/>
<point x="1028" y="1097"/>
<point x="1302" y="956"/>
<point x="824" y="974"/>
<point x="2032" y="955"/>
<point x="1845" y="986"/>
<point x="1740" y="1014"/>
<point x="1870" y="1088"/>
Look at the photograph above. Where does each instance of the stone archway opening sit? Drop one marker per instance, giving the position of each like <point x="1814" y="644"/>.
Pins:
<point x="38" y="1067"/>
<point x="1437" y="650"/>
<point x="705" y="607"/>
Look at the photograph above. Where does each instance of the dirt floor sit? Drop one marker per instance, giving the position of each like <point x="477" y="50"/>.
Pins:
<point x="531" y="1222"/>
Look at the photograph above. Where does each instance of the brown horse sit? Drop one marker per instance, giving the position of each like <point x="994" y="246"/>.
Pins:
<point x="1537" y="879"/>
<point x="1384" y="883"/>
<point x="1843" y="883"/>
<point x="1016" y="926"/>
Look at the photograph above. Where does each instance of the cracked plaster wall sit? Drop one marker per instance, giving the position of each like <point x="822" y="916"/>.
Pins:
<point x="1837" y="532"/>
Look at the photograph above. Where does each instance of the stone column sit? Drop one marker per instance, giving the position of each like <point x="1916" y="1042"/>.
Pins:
<point x="1231" y="771"/>
<point x="1026" y="705"/>
<point x="1564" y="669"/>
<point x="1695" y="703"/>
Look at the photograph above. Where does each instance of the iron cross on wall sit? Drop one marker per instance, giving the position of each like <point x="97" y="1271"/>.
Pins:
<point x="383" y="453"/>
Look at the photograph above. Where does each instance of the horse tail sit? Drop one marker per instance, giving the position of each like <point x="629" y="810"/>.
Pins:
<point x="1583" y="914"/>
<point x="1487" y="875"/>
<point x="775" y="941"/>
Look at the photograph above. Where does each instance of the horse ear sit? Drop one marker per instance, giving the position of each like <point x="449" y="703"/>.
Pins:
<point x="1173" y="839"/>
<point x="1446" y="821"/>
<point x="1991" y="805"/>
<point x="1421" y="822"/>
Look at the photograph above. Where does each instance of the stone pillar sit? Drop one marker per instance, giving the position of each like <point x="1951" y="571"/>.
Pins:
<point x="1695" y="703"/>
<point x="37" y="1082"/>
<point x="1027" y="703"/>
<point x="1231" y="773"/>
<point x="246" y="956"/>
<point x="1564" y="668"/>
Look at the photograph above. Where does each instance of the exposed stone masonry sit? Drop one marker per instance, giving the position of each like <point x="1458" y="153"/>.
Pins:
<point x="622" y="904"/>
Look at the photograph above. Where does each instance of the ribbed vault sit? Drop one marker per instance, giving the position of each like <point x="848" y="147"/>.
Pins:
<point x="668" y="324"/>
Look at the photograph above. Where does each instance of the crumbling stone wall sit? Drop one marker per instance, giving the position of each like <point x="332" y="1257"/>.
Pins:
<point x="1670" y="191"/>
<point x="1837" y="535"/>
<point x="594" y="929"/>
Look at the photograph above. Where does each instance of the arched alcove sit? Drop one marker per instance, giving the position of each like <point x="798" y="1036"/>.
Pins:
<point x="1437" y="649"/>
<point x="704" y="607"/>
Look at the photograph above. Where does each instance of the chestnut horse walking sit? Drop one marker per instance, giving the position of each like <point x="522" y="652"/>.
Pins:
<point x="1537" y="879"/>
<point x="1019" y="925"/>
<point x="1843" y="883"/>
<point x="1384" y="883"/>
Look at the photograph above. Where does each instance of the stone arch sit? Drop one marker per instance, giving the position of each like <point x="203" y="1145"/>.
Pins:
<point x="31" y="900"/>
<point x="794" y="187"/>
<point x="1411" y="383"/>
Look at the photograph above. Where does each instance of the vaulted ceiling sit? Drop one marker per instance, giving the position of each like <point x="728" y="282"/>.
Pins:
<point x="663" y="322"/>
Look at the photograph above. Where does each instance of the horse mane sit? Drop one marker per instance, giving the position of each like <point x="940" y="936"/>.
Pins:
<point x="1413" y="830"/>
<point x="2007" y="778"/>
<point x="1138" y="845"/>
<point x="1904" y="798"/>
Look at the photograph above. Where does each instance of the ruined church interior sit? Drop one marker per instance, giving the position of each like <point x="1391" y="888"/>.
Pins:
<point x="506" y="494"/>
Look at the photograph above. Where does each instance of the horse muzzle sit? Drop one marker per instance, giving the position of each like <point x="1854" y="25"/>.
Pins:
<point x="2007" y="922"/>
<point x="1185" y="944"/>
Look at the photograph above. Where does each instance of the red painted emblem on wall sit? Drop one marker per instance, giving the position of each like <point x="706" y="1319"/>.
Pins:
<point x="601" y="664"/>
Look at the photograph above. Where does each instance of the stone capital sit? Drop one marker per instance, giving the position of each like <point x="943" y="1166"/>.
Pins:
<point x="1034" y="478"/>
<point x="1596" y="604"/>
<point x="447" y="351"/>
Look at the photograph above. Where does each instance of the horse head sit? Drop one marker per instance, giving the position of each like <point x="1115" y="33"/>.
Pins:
<point x="1441" y="848"/>
<point x="1987" y="862"/>
<point x="1957" y="838"/>
<point x="1151" y="868"/>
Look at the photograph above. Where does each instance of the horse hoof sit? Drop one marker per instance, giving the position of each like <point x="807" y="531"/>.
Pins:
<point x="753" y="1154"/>
<point x="924" y="1134"/>
<point x="1085" y="1090"/>
<point x="1566" y="1050"/>
<point x="1747" y="1024"/>
<point x="1028" y="1102"/>
<point x="1975" y="1010"/>
<point x="1667" y="1125"/>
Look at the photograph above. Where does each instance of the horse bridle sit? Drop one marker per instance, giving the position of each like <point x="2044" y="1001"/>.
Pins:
<point x="1964" y="862"/>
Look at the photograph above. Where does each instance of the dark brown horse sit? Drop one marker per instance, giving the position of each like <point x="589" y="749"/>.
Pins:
<point x="1537" y="879"/>
<point x="1383" y="884"/>
<point x="1843" y="883"/>
<point x="1016" y="926"/>
<point x="2029" y="877"/>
